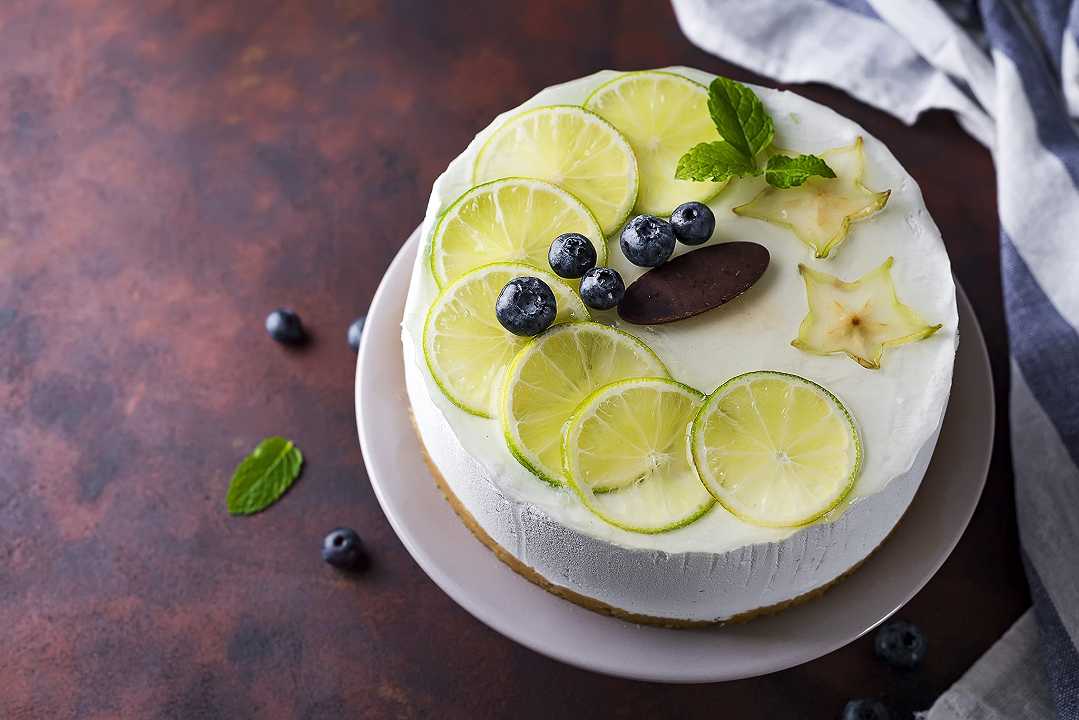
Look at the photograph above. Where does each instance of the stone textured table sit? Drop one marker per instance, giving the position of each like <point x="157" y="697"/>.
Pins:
<point x="170" y="172"/>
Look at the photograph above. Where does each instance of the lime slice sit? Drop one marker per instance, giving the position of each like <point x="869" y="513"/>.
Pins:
<point x="572" y="148"/>
<point x="464" y="345"/>
<point x="624" y="453"/>
<point x="776" y="449"/>
<point x="508" y="220"/>
<point x="552" y="375"/>
<point x="662" y="115"/>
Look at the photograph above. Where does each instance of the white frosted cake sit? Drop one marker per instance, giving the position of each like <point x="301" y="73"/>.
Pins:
<point x="645" y="498"/>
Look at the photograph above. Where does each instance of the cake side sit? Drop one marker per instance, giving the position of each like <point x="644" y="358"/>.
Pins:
<point x="594" y="604"/>
<point x="679" y="588"/>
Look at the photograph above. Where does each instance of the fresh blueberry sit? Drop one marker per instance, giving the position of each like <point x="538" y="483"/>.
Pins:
<point x="602" y="288"/>
<point x="343" y="549"/>
<point x="693" y="223"/>
<point x="900" y="644"/>
<point x="526" y="306"/>
<point x="865" y="709"/>
<point x="285" y="327"/>
<point x="355" y="332"/>
<point x="647" y="241"/>
<point x="571" y="255"/>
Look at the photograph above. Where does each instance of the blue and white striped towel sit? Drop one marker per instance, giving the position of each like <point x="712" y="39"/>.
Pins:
<point x="1009" y="70"/>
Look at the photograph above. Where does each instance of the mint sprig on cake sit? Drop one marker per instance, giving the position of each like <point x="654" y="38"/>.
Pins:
<point x="746" y="130"/>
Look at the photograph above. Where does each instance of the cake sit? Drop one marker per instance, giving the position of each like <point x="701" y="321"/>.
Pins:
<point x="761" y="421"/>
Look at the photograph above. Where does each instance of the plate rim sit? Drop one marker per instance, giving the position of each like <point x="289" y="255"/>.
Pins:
<point x="462" y="593"/>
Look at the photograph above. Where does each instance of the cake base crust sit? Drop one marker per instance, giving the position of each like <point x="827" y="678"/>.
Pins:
<point x="596" y="605"/>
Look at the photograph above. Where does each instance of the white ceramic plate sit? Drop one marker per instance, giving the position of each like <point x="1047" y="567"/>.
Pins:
<point x="483" y="585"/>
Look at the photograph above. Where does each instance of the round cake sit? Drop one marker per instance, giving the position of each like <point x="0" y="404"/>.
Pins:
<point x="751" y="417"/>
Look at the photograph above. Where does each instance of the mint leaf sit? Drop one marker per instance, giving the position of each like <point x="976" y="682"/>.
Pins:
<point x="739" y="116"/>
<point x="745" y="129"/>
<point x="714" y="161"/>
<point x="264" y="476"/>
<point x="786" y="172"/>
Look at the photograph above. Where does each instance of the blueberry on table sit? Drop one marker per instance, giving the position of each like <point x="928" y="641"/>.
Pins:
<point x="343" y="549"/>
<point x="865" y="709"/>
<point x="285" y="327"/>
<point x="526" y="306"/>
<point x="571" y="255"/>
<point x="693" y="223"/>
<point x="900" y="644"/>
<point x="602" y="288"/>
<point x="355" y="332"/>
<point x="647" y="241"/>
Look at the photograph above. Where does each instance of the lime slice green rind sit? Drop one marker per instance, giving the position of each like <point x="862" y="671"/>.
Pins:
<point x="549" y="377"/>
<point x="550" y="143"/>
<point x="798" y="461"/>
<point x="662" y="115"/>
<point x="507" y="220"/>
<point x="630" y="438"/>
<point x="465" y="347"/>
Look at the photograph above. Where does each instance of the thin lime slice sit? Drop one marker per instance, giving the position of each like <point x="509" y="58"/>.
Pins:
<point x="552" y="375"/>
<point x="511" y="220"/>
<point x="464" y="345"/>
<point x="662" y="115"/>
<point x="571" y="147"/>
<point x="624" y="453"/>
<point x="776" y="449"/>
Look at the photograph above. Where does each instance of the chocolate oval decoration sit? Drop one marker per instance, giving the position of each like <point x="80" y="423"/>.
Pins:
<point x="694" y="282"/>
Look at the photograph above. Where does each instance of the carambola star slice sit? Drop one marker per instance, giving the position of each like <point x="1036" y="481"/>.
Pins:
<point x="859" y="318"/>
<point x="821" y="210"/>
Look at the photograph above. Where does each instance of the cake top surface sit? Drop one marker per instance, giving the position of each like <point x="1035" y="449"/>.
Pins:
<point x="898" y="407"/>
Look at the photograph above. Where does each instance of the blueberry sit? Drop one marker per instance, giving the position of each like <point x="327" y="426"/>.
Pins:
<point x="571" y="255"/>
<point x="647" y="241"/>
<point x="343" y="549"/>
<point x="865" y="709"/>
<point x="602" y="288"/>
<point x="526" y="306"/>
<point x="285" y="327"/>
<point x="693" y="223"/>
<point x="900" y="644"/>
<point x="355" y="332"/>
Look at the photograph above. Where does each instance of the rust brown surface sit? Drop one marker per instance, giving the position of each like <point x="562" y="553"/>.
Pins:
<point x="169" y="172"/>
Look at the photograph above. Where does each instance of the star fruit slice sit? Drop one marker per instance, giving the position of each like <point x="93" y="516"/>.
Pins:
<point x="821" y="210"/>
<point x="860" y="319"/>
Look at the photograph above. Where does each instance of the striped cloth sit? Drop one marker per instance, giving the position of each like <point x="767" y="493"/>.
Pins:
<point x="1009" y="70"/>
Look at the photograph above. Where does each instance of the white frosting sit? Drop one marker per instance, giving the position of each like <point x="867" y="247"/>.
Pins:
<point x="720" y="566"/>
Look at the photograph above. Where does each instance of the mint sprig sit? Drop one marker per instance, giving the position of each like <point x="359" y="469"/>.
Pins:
<point x="787" y="172"/>
<point x="746" y="129"/>
<point x="262" y="477"/>
<point x="740" y="117"/>
<point x="714" y="161"/>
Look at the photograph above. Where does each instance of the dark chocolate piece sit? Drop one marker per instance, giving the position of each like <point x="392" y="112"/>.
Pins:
<point x="694" y="282"/>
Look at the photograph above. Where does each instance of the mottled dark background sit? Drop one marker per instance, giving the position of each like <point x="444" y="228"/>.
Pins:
<point x="169" y="172"/>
